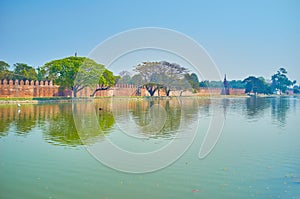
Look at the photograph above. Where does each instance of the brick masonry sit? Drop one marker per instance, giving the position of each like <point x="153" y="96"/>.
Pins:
<point x="16" y="88"/>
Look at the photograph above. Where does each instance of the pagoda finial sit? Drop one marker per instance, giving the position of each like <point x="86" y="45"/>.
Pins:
<point x="225" y="90"/>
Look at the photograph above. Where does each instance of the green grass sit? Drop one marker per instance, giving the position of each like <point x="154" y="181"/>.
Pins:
<point x="33" y="98"/>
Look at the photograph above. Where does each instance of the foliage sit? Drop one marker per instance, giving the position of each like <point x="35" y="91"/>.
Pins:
<point x="24" y="72"/>
<point x="75" y="73"/>
<point x="4" y="66"/>
<point x="125" y="77"/>
<point x="160" y="75"/>
<point x="296" y="89"/>
<point x="256" y="85"/>
<point x="4" y="72"/>
<point x="137" y="79"/>
<point x="219" y="84"/>
<point x="236" y="84"/>
<point x="41" y="74"/>
<point x="280" y="80"/>
<point x="106" y="80"/>
<point x="204" y="84"/>
<point x="192" y="80"/>
<point x="211" y="84"/>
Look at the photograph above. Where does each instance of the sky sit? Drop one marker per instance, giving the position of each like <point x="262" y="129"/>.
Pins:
<point x="242" y="37"/>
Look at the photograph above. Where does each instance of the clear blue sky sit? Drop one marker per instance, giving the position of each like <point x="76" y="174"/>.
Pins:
<point x="243" y="37"/>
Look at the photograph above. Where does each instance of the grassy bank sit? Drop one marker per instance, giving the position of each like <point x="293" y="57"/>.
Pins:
<point x="36" y="100"/>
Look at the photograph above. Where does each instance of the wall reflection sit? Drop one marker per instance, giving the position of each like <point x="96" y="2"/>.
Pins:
<point x="58" y="126"/>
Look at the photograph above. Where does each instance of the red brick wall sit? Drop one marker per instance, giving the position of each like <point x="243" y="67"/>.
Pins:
<point x="10" y="88"/>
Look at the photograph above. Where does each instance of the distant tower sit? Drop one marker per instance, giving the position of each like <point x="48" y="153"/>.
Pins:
<point x="75" y="54"/>
<point x="225" y="90"/>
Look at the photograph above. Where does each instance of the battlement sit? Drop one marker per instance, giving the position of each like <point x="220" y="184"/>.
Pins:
<point x="26" y="82"/>
<point x="20" y="88"/>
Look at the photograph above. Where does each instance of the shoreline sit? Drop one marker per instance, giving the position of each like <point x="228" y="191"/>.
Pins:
<point x="42" y="100"/>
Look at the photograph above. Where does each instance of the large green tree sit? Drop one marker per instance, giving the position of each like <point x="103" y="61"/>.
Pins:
<point x="280" y="80"/>
<point x="149" y="72"/>
<point x="4" y="66"/>
<point x="173" y="78"/>
<point x="74" y="73"/>
<point x="4" y="71"/>
<point x="106" y="80"/>
<point x="160" y="75"/>
<point x="24" y="72"/>
<point x="193" y="80"/>
<point x="256" y="85"/>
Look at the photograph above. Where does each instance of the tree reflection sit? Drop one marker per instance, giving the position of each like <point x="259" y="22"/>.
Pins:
<point x="24" y="122"/>
<point x="173" y="117"/>
<point x="168" y="116"/>
<point x="255" y="106"/>
<point x="61" y="129"/>
<point x="105" y="116"/>
<point x="279" y="108"/>
<point x="6" y="119"/>
<point x="175" y="111"/>
<point x="56" y="121"/>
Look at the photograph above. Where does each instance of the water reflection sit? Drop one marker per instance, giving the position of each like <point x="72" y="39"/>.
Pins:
<point x="159" y="121"/>
<point x="60" y="128"/>
<point x="258" y="107"/>
<point x="280" y="107"/>
<point x="57" y="120"/>
<point x="255" y="107"/>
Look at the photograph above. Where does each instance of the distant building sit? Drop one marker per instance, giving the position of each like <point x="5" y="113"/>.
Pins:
<point x="290" y="92"/>
<point x="225" y="90"/>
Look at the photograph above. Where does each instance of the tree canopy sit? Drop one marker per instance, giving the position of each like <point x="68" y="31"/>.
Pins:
<point x="193" y="80"/>
<point x="256" y="85"/>
<point x="76" y="73"/>
<point x="106" y="80"/>
<point x="24" y="72"/>
<point x="280" y="80"/>
<point x="4" y="71"/>
<point x="160" y="75"/>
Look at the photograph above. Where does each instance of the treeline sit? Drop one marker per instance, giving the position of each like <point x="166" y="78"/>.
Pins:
<point x="74" y="73"/>
<point x="278" y="83"/>
<point x="192" y="78"/>
<point x="20" y="71"/>
<point x="77" y="73"/>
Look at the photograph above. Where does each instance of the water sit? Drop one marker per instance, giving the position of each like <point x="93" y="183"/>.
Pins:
<point x="42" y="155"/>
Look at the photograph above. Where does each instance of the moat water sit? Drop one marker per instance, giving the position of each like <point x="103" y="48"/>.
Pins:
<point x="56" y="150"/>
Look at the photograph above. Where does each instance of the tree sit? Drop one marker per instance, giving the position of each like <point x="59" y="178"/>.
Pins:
<point x="256" y="85"/>
<point x="137" y="79"/>
<point x="193" y="80"/>
<point x="204" y="84"/>
<point x="4" y="72"/>
<point x="74" y="73"/>
<point x="41" y="74"/>
<point x="215" y="84"/>
<point x="148" y="71"/>
<point x="125" y="77"/>
<point x="160" y="75"/>
<point x="280" y="80"/>
<point x="174" y="77"/>
<point x="106" y="80"/>
<point x="296" y="89"/>
<point x="4" y="66"/>
<point x="24" y="72"/>
<point x="236" y="84"/>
